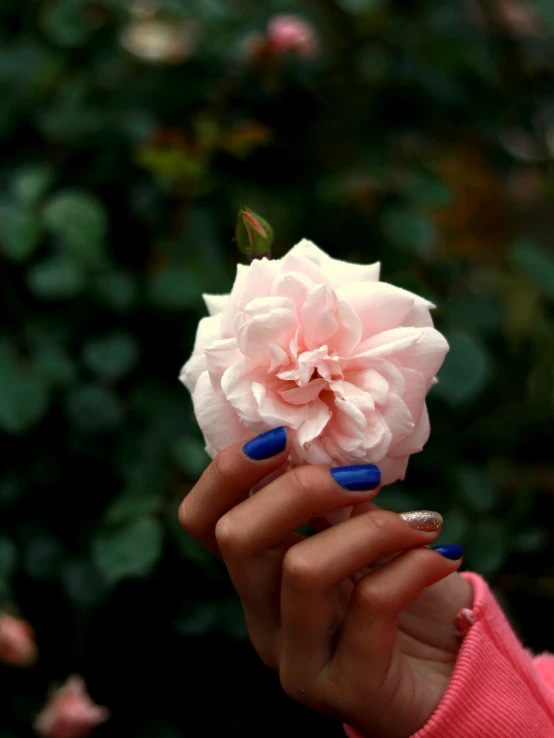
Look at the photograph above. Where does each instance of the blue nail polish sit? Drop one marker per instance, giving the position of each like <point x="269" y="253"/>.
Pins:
<point x="266" y="445"/>
<point x="357" y="478"/>
<point x="449" y="551"/>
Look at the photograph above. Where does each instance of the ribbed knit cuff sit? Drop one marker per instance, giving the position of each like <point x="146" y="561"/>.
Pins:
<point x="496" y="690"/>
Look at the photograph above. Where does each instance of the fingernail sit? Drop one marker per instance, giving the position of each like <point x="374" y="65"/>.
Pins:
<point x="427" y="520"/>
<point x="266" y="444"/>
<point x="449" y="551"/>
<point x="357" y="478"/>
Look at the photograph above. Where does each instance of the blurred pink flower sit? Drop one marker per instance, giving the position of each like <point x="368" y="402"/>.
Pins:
<point x="17" y="642"/>
<point x="320" y="346"/>
<point x="70" y="713"/>
<point x="290" y="33"/>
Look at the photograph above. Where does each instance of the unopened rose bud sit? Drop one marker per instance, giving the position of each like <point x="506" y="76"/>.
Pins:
<point x="70" y="713"/>
<point x="290" y="33"/>
<point x="253" y="234"/>
<point x="17" y="642"/>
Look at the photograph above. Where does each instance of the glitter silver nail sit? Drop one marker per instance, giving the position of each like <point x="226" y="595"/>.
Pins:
<point x="427" y="520"/>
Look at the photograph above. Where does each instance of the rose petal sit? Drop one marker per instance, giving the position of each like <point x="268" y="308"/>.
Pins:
<point x="207" y="332"/>
<point x="295" y="287"/>
<point x="319" y="317"/>
<point x="416" y="440"/>
<point x="314" y="425"/>
<point x="277" y="326"/>
<point x="414" y="392"/>
<point x="251" y="282"/>
<point x="304" y="394"/>
<point x="333" y="271"/>
<point x="216" y="304"/>
<point x="216" y="417"/>
<point x="274" y="412"/>
<point x="393" y="469"/>
<point x="347" y="339"/>
<point x="236" y="384"/>
<point x="219" y="357"/>
<point x="388" y="343"/>
<point x="379" y="306"/>
<point x="397" y="417"/>
<point x="425" y="355"/>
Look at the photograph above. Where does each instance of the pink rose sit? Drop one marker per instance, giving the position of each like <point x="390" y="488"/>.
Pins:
<point x="17" y="642"/>
<point x="290" y="33"/>
<point x="322" y="347"/>
<point x="70" y="713"/>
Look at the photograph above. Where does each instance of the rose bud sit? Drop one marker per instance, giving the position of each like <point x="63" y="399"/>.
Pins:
<point x="17" y="642"/>
<point x="70" y="713"/>
<point x="253" y="234"/>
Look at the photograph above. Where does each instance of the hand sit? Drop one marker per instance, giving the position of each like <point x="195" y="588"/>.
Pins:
<point x="372" y="647"/>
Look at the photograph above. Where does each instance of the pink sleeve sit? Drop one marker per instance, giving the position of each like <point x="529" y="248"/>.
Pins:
<point x="497" y="690"/>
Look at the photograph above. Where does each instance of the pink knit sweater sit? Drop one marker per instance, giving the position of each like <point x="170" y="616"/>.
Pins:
<point x="498" y="689"/>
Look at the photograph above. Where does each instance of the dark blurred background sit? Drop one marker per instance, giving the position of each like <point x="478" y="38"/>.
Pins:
<point x="415" y="132"/>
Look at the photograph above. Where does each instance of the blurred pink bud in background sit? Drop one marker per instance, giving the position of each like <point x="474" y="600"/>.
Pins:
<point x="17" y="642"/>
<point x="70" y="713"/>
<point x="290" y="33"/>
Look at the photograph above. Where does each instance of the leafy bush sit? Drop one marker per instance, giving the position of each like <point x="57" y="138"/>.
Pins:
<point x="420" y="134"/>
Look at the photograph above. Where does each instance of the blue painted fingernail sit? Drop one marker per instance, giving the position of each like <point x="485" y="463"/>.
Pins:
<point x="449" y="551"/>
<point x="266" y="445"/>
<point x="357" y="478"/>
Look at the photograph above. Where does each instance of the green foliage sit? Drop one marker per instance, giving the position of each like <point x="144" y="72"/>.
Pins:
<point x="129" y="551"/>
<point x="420" y="136"/>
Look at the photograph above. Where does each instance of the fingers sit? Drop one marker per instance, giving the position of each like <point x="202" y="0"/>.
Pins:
<point x="255" y="535"/>
<point x="228" y="480"/>
<point x="312" y="570"/>
<point x="302" y="494"/>
<point x="369" y="628"/>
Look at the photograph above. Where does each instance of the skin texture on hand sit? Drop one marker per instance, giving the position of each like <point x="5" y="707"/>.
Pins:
<point x="374" y="646"/>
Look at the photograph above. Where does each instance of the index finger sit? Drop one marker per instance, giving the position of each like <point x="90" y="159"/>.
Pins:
<point x="228" y="481"/>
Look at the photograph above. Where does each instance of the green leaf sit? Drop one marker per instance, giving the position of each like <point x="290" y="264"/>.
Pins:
<point x="134" y="503"/>
<point x="94" y="409"/>
<point x="111" y="357"/>
<point x="83" y="583"/>
<point x="409" y="232"/>
<point x="482" y="313"/>
<point x="19" y="232"/>
<point x="42" y="555"/>
<point x="129" y="551"/>
<point x="56" y="278"/>
<point x="54" y="365"/>
<point x="80" y="222"/>
<point x="476" y="487"/>
<point x="426" y="192"/>
<point x="8" y="558"/>
<point x="535" y="263"/>
<point x="31" y="183"/>
<point x="189" y="453"/>
<point x="175" y="288"/>
<point x="116" y="290"/>
<point x="23" y="392"/>
<point x="530" y="540"/>
<point x="454" y="528"/>
<point x="465" y="371"/>
<point x="361" y="7"/>
<point x="487" y="547"/>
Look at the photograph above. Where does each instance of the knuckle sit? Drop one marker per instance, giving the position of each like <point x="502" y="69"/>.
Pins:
<point x="377" y="523"/>
<point x="368" y="598"/>
<point x="227" y="535"/>
<point x="308" y="480"/>
<point x="298" y="569"/>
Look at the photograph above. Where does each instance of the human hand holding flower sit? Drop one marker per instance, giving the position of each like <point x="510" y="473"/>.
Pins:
<point x="374" y="646"/>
